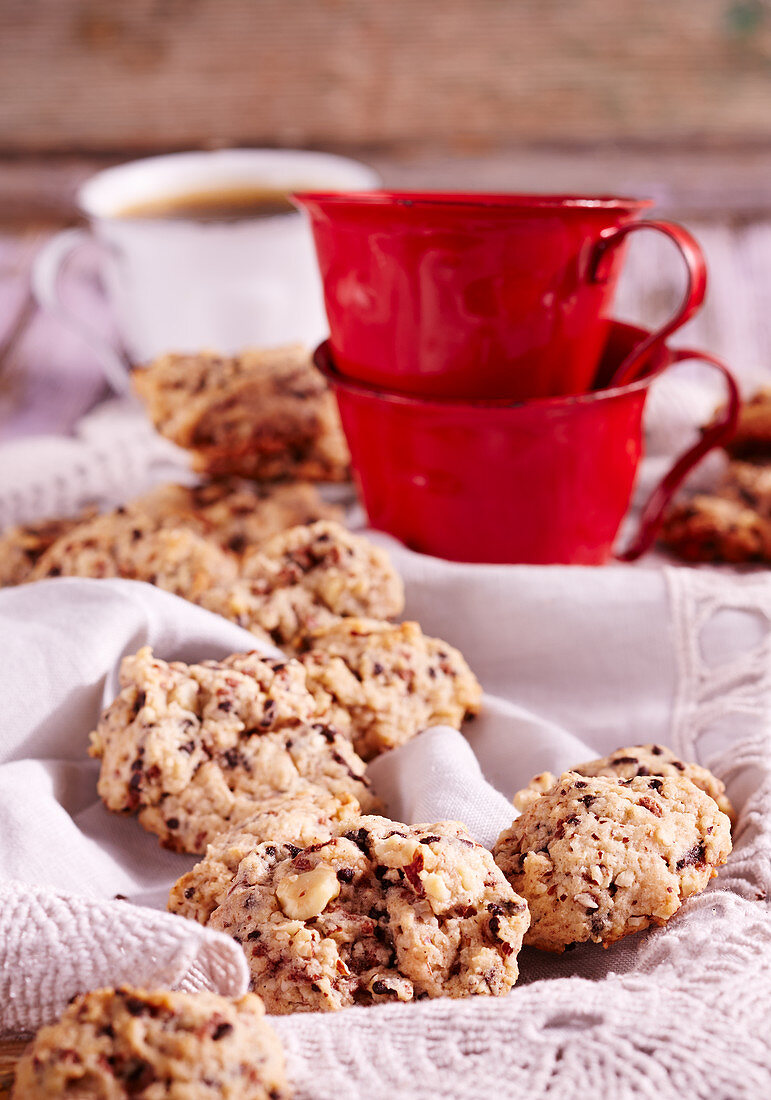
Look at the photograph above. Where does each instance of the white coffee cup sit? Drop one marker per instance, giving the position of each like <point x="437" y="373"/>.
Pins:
<point x="184" y="285"/>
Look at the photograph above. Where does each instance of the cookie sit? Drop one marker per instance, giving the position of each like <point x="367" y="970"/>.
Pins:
<point x="291" y="821"/>
<point x="712" y="529"/>
<point x="748" y="484"/>
<point x="22" y="547"/>
<point x="129" y="1042"/>
<point x="238" y="515"/>
<point x="629" y="762"/>
<point x="384" y="682"/>
<point x="309" y="577"/>
<point x="131" y="544"/>
<point x="196" y="748"/>
<point x="262" y="414"/>
<point x="752" y="438"/>
<point x="382" y="912"/>
<point x="598" y="858"/>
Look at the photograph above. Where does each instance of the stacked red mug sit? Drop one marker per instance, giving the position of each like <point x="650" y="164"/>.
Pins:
<point x="492" y="406"/>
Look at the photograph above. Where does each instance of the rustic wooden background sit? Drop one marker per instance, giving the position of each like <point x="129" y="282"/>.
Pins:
<point x="666" y="95"/>
<point x="466" y="75"/>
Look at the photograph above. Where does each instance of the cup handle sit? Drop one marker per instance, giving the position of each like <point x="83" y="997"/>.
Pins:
<point x="47" y="271"/>
<point x="717" y="433"/>
<point x="694" y="294"/>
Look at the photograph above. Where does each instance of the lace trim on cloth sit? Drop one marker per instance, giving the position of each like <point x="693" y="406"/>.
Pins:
<point x="690" y="1015"/>
<point x="114" y="455"/>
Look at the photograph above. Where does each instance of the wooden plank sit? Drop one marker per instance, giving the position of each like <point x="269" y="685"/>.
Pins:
<point x="460" y="75"/>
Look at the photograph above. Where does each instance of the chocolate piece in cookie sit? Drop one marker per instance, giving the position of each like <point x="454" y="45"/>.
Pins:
<point x="287" y="822"/>
<point x="385" y="682"/>
<point x="598" y="858"/>
<point x="262" y="414"/>
<point x="309" y="577"/>
<point x="382" y="912"/>
<point x="238" y="515"/>
<point x="748" y="485"/>
<point x="196" y="748"/>
<point x="129" y="1042"/>
<point x="714" y="529"/>
<point x="629" y="762"/>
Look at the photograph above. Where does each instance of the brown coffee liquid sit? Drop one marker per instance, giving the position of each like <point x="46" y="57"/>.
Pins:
<point x="213" y="206"/>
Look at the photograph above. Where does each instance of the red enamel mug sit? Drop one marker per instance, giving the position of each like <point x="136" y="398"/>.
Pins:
<point x="546" y="481"/>
<point x="477" y="295"/>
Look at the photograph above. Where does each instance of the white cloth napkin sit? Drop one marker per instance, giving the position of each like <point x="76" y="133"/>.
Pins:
<point x="575" y="662"/>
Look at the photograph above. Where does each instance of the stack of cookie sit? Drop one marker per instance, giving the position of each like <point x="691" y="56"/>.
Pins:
<point x="732" y="524"/>
<point x="259" y="765"/>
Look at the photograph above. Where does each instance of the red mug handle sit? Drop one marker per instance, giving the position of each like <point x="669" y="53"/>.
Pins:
<point x="694" y="293"/>
<point x="720" y="431"/>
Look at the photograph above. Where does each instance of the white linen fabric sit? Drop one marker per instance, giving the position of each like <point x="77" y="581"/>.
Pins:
<point x="575" y="662"/>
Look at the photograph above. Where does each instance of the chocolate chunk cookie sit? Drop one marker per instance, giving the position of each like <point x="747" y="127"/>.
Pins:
<point x="382" y="912"/>
<point x="629" y="762"/>
<point x="197" y="748"/>
<point x="714" y="529"/>
<point x="262" y="414"/>
<point x="385" y="682"/>
<point x="308" y="577"/>
<point x="598" y="858"/>
<point x="111" y="1044"/>
<point x="289" y="822"/>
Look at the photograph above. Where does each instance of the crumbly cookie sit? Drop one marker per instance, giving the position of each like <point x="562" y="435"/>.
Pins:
<point x="632" y="761"/>
<point x="598" y="858"/>
<point x="22" y="547"/>
<point x="752" y="438"/>
<point x="748" y="484"/>
<point x="130" y="544"/>
<point x="125" y="1042"/>
<point x="384" y="682"/>
<point x="290" y="821"/>
<point x="712" y="529"/>
<point x="196" y="748"/>
<point x="308" y="577"/>
<point x="238" y="515"/>
<point x="382" y="912"/>
<point x="262" y="414"/>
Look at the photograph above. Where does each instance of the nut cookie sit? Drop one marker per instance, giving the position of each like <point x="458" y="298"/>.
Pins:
<point x="752" y="438"/>
<point x="262" y="414"/>
<point x="111" y="1044"/>
<point x="236" y="514"/>
<point x="22" y="547"/>
<point x="598" y="858"/>
<point x="291" y="821"/>
<point x="627" y="763"/>
<point x="130" y="544"/>
<point x="306" y="577"/>
<point x="381" y="912"/>
<point x="385" y="682"/>
<point x="196" y="748"/>
<point x="714" y="529"/>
